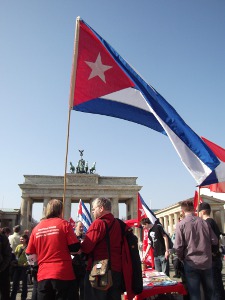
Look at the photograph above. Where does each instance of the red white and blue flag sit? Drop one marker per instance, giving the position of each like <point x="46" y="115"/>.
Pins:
<point x="84" y="215"/>
<point x="102" y="82"/>
<point x="144" y="211"/>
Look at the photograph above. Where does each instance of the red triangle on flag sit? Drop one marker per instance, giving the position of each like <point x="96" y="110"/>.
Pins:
<point x="141" y="212"/>
<point x="97" y="73"/>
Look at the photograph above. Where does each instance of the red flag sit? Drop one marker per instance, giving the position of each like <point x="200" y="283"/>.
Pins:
<point x="196" y="201"/>
<point x="149" y="259"/>
<point x="72" y="222"/>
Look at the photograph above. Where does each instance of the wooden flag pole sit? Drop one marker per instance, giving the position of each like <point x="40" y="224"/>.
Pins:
<point x="71" y="97"/>
<point x="67" y="146"/>
<point x="198" y="201"/>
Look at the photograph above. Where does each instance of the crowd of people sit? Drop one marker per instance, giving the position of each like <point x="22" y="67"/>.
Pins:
<point x="196" y="253"/>
<point x="60" y="258"/>
<point x="57" y="259"/>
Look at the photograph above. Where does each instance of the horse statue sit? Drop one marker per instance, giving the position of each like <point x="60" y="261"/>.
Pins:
<point x="86" y="167"/>
<point x="92" y="169"/>
<point x="72" y="168"/>
<point x="81" y="167"/>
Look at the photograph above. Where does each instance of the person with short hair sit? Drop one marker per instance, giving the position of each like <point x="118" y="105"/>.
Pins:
<point x="52" y="240"/>
<point x="6" y="231"/>
<point x="95" y="246"/>
<point x="14" y="239"/>
<point x="217" y="265"/>
<point x="160" y="243"/>
<point x="193" y="241"/>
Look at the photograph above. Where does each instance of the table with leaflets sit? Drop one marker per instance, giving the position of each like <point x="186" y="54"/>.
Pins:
<point x="156" y="283"/>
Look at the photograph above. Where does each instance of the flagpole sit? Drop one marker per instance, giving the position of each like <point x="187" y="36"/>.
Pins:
<point x="198" y="201"/>
<point x="71" y="97"/>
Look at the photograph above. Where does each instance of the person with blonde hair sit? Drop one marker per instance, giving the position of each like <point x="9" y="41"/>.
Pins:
<point x="52" y="240"/>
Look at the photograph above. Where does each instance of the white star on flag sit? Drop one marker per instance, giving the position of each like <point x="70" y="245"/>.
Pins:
<point x="142" y="211"/>
<point x="97" y="68"/>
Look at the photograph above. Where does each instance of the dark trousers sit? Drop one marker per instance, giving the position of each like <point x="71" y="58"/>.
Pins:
<point x="54" y="289"/>
<point x="80" y="288"/>
<point x="20" y="273"/>
<point x="34" y="291"/>
<point x="5" y="284"/>
<point x="113" y="293"/>
<point x="218" y="289"/>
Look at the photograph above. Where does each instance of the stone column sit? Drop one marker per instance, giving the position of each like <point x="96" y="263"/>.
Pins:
<point x="45" y="203"/>
<point x="67" y="208"/>
<point x="29" y="213"/>
<point x="161" y="220"/>
<point x="130" y="211"/>
<point x="170" y="230"/>
<point x="176" y="219"/>
<point x="14" y="222"/>
<point x="23" y="213"/>
<point x="165" y="223"/>
<point x="115" y="206"/>
<point x="134" y="208"/>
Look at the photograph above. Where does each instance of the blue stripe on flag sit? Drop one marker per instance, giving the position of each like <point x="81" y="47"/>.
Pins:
<point x="85" y="216"/>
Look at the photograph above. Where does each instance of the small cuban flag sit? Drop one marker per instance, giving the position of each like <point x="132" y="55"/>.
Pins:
<point x="84" y="215"/>
<point x="144" y="211"/>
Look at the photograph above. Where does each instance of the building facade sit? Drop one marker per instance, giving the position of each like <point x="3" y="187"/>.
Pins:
<point x="9" y="217"/>
<point x="171" y="215"/>
<point x="41" y="189"/>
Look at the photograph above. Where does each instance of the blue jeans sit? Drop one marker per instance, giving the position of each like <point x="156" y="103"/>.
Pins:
<point x="194" y="278"/>
<point x="162" y="264"/>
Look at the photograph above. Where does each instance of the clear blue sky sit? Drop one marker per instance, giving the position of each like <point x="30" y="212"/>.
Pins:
<point x="177" y="46"/>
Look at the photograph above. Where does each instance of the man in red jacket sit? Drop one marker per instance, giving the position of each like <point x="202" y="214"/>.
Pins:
<point x="95" y="246"/>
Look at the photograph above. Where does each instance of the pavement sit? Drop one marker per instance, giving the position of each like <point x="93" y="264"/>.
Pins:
<point x="177" y="297"/>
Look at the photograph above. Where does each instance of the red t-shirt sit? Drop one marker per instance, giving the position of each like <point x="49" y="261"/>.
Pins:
<point x="95" y="242"/>
<point x="50" y="240"/>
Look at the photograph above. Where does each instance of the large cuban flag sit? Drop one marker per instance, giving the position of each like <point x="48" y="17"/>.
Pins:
<point x="84" y="215"/>
<point x="102" y="82"/>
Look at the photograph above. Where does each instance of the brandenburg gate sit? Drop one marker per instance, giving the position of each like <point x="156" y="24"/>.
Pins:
<point x="42" y="188"/>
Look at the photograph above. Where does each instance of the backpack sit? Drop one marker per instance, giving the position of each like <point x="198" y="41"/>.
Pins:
<point x="132" y="241"/>
<point x="170" y="241"/>
<point x="169" y="238"/>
